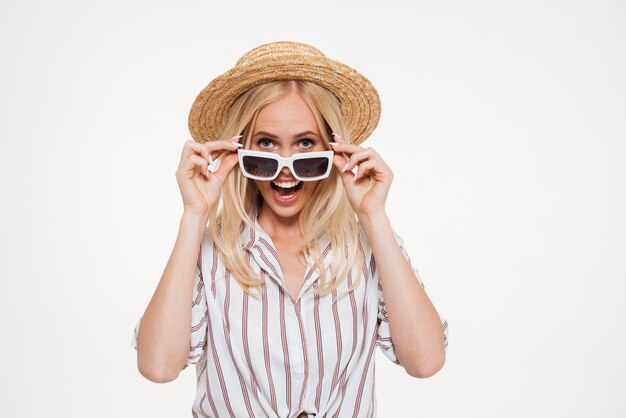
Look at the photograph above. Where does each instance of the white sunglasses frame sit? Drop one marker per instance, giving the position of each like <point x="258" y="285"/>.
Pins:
<point x="285" y="162"/>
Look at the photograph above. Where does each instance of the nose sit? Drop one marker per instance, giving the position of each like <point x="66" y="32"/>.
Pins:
<point x="285" y="172"/>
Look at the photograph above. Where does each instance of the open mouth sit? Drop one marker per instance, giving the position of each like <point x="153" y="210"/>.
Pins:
<point x="286" y="188"/>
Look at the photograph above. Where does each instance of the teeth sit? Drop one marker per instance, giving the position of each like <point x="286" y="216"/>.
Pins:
<point x="286" y="184"/>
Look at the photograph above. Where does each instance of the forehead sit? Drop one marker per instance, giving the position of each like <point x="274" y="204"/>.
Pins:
<point x="287" y="115"/>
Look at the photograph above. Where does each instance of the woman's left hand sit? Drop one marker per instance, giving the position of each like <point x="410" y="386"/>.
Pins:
<point x="367" y="189"/>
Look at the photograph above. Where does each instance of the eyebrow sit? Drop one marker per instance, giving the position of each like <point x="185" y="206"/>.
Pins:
<point x="263" y="133"/>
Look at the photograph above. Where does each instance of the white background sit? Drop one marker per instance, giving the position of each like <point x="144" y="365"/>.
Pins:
<point x="504" y="123"/>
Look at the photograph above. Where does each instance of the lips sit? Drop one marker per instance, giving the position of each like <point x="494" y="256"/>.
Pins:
<point x="286" y="192"/>
<point x="286" y="189"/>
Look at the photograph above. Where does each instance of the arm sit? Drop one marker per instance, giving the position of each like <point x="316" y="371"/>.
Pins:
<point x="414" y="323"/>
<point x="415" y="326"/>
<point x="164" y="336"/>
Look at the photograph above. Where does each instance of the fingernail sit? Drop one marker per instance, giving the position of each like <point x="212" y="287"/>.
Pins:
<point x="343" y="170"/>
<point x="237" y="136"/>
<point x="214" y="166"/>
<point x="237" y="144"/>
<point x="333" y="143"/>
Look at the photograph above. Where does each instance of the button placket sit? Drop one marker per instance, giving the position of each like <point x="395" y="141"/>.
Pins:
<point x="304" y="354"/>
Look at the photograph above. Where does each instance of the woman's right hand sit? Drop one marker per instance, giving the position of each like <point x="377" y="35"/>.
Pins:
<point x="200" y="189"/>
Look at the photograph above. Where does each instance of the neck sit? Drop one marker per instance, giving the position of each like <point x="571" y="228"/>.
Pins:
<point x="278" y="227"/>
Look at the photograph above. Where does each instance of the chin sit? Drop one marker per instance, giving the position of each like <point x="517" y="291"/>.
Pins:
<point x="282" y="212"/>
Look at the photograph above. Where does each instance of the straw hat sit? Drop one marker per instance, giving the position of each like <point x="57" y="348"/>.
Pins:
<point x="359" y="99"/>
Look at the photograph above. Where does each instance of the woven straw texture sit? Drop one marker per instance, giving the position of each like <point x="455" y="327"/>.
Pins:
<point x="360" y="103"/>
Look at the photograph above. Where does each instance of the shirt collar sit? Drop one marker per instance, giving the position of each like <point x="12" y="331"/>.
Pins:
<point x="261" y="248"/>
<point x="251" y="234"/>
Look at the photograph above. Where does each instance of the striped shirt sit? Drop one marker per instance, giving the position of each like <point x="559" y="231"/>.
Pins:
<point x="273" y="356"/>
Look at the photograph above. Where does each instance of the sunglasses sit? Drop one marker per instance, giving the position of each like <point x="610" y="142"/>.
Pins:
<point x="306" y="166"/>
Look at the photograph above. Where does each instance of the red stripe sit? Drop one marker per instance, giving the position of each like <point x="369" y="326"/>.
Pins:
<point x="364" y="376"/>
<point x="246" y="347"/>
<point x="218" y="366"/>
<point x="343" y="392"/>
<point x="267" y="261"/>
<point x="197" y="327"/>
<point x="283" y="337"/>
<point x="214" y="269"/>
<point x="320" y="353"/>
<point x="209" y="397"/>
<point x="199" y="291"/>
<point x="204" y="319"/>
<point x="364" y="313"/>
<point x="266" y="350"/>
<point x="242" y="383"/>
<point x="269" y="247"/>
<point x="304" y="353"/>
<point x="315" y="266"/>
<point x="252" y="236"/>
<point x="339" y="342"/>
<point x="354" y="317"/>
<point x="354" y="341"/>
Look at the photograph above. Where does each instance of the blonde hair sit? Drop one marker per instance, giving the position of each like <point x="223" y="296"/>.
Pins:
<point x="329" y="212"/>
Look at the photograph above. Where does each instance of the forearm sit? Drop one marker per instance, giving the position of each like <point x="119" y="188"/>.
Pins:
<point x="414" y="323"/>
<point x="164" y="335"/>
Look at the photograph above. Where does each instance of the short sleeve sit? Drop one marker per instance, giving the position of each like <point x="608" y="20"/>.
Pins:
<point x="199" y="317"/>
<point x="136" y="333"/>
<point x="383" y="334"/>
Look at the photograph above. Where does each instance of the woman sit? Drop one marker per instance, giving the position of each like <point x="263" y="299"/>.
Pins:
<point x="286" y="304"/>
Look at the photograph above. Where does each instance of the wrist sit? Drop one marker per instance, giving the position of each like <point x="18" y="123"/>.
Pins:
<point x="373" y="220"/>
<point x="195" y="219"/>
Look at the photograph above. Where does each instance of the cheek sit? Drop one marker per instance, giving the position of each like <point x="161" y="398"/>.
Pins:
<point x="310" y="187"/>
<point x="261" y="185"/>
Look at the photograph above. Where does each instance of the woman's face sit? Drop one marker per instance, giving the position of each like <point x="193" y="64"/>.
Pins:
<point x="286" y="127"/>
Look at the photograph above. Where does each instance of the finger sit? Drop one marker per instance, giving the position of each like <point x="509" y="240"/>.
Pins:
<point x="216" y="148"/>
<point x="196" y="155"/>
<point x="226" y="166"/>
<point x="213" y="166"/>
<point x="209" y="150"/>
<point x="359" y="157"/>
<point x="193" y="163"/>
<point x="339" y="161"/>
<point x="338" y="138"/>
<point x="369" y="167"/>
<point x="343" y="157"/>
<point x="193" y="148"/>
<point x="223" y="145"/>
<point x="345" y="148"/>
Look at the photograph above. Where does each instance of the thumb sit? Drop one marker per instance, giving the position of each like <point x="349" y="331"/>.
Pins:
<point x="226" y="166"/>
<point x="340" y="162"/>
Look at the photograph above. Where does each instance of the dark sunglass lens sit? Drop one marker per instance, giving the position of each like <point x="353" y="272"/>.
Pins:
<point x="310" y="167"/>
<point x="260" y="166"/>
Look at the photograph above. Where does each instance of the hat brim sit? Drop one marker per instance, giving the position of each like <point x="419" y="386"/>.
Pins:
<point x="360" y="103"/>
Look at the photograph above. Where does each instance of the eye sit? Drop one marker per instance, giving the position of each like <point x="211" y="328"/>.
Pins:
<point x="264" y="143"/>
<point x="307" y="143"/>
